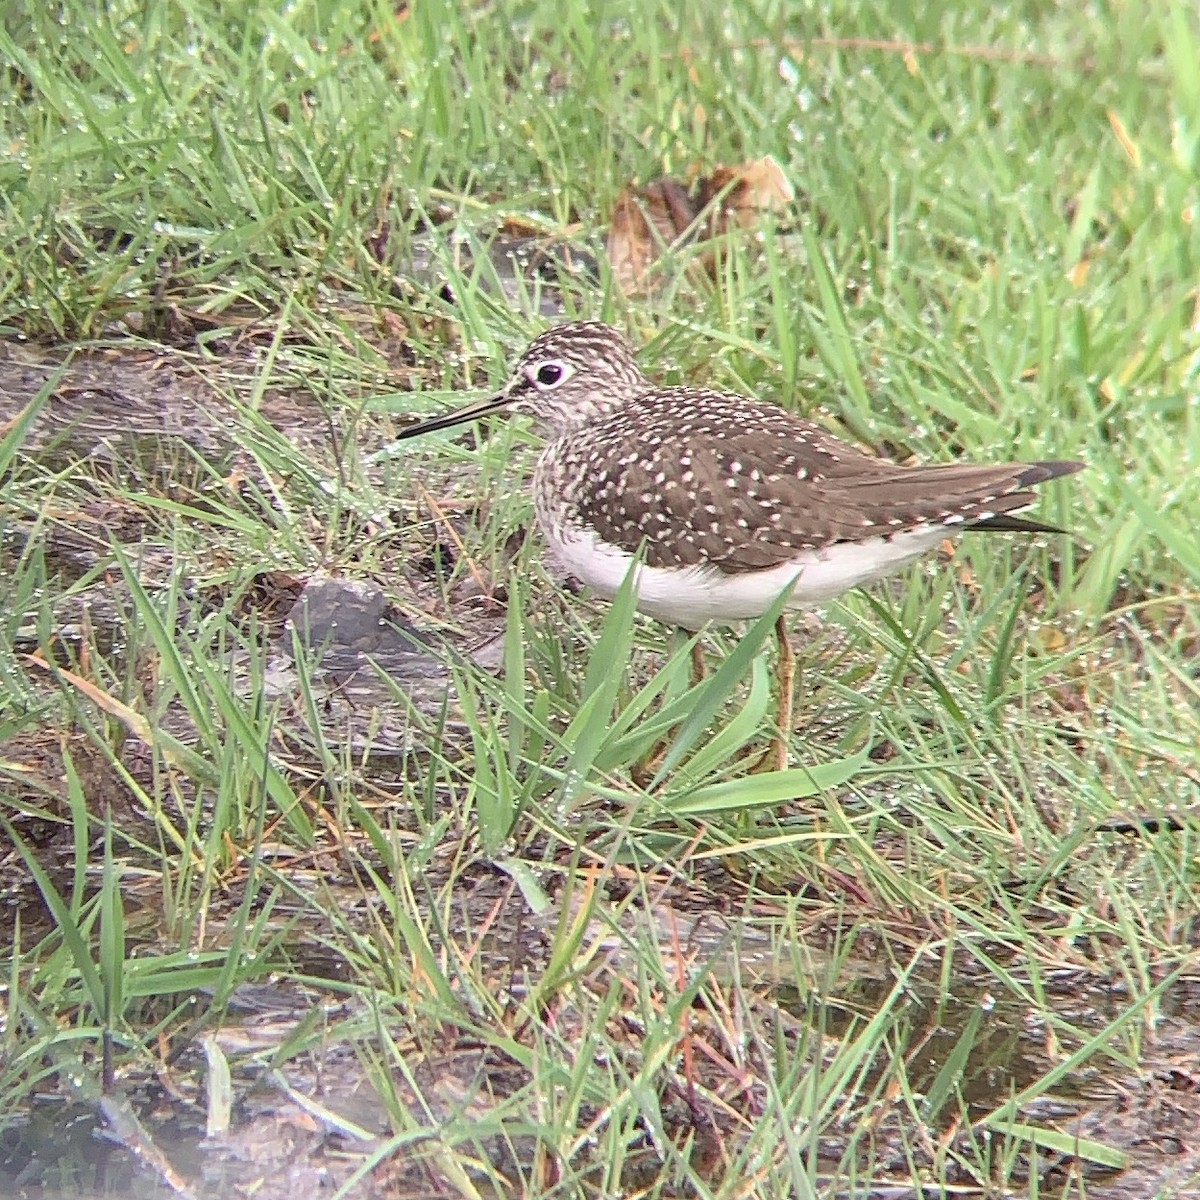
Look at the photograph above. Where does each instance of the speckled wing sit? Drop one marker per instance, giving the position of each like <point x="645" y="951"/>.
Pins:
<point x="717" y="479"/>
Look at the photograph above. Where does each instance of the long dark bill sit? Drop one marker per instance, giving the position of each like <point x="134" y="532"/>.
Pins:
<point x="481" y="408"/>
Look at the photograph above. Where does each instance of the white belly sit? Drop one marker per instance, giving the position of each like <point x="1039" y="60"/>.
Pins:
<point x="694" y="596"/>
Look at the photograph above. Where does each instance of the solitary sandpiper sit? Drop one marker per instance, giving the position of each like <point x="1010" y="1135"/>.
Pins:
<point x="729" y="500"/>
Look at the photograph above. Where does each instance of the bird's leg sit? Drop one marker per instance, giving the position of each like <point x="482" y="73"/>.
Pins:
<point x="775" y="758"/>
<point x="698" y="669"/>
<point x="787" y="685"/>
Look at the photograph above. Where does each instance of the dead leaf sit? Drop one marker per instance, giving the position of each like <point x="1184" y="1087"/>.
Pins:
<point x="745" y="194"/>
<point x="644" y="222"/>
<point x="648" y="220"/>
<point x="1122" y="135"/>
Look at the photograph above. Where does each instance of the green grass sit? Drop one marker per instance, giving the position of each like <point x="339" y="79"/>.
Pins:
<point x="566" y="961"/>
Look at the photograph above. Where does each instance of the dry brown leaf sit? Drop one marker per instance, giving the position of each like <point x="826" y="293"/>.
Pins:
<point x="644" y="221"/>
<point x="647" y="220"/>
<point x="745" y="194"/>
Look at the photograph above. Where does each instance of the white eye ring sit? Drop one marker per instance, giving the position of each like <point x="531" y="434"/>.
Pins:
<point x="549" y="373"/>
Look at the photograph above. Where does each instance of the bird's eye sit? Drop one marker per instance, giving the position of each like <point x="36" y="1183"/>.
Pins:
<point x="550" y="374"/>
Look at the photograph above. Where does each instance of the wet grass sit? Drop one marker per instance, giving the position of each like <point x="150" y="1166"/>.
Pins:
<point x="943" y="951"/>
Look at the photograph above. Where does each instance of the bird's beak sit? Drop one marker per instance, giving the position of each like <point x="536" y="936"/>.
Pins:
<point x="480" y="408"/>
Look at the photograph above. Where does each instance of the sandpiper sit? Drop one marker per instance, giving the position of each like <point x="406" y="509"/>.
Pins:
<point x="729" y="500"/>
